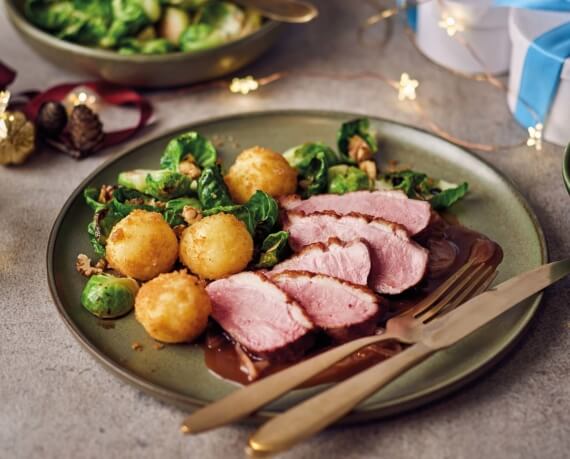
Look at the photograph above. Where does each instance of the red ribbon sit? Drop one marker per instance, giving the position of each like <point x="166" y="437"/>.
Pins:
<point x="111" y="93"/>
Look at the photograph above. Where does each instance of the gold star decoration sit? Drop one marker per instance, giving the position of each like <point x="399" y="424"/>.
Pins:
<point x="450" y="24"/>
<point x="407" y="87"/>
<point x="4" y="99"/>
<point x="244" y="85"/>
<point x="535" y="136"/>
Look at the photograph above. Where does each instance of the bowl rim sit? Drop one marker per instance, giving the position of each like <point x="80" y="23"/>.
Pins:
<point x="566" y="167"/>
<point x="190" y="403"/>
<point x="22" y="24"/>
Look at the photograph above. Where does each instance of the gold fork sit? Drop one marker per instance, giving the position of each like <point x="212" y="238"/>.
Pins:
<point x="471" y="279"/>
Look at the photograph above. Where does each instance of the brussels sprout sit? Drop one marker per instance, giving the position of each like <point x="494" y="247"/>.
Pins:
<point x="81" y="21"/>
<point x="130" y="17"/>
<point x="160" y="184"/>
<point x="152" y="9"/>
<point x="273" y="249"/>
<point x="344" y="178"/>
<point x="185" y="145"/>
<point x="212" y="190"/>
<point x="358" y="127"/>
<point x="218" y="23"/>
<point x="439" y="193"/>
<point x="186" y="4"/>
<point x="312" y="160"/>
<point x="251" y="22"/>
<point x="173" y="23"/>
<point x="108" y="297"/>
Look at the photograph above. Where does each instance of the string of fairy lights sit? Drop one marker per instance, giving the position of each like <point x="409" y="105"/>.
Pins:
<point x="407" y="86"/>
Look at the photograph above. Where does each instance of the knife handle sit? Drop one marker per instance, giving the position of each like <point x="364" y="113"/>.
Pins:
<point x="310" y="417"/>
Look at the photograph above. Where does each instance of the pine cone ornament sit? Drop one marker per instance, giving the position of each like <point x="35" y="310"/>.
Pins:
<point x="52" y="119"/>
<point x="17" y="138"/>
<point x="85" y="130"/>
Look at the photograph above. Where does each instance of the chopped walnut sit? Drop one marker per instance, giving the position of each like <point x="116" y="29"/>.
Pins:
<point x="106" y="193"/>
<point x="191" y="215"/>
<point x="358" y="149"/>
<point x="136" y="346"/>
<point x="158" y="346"/>
<point x="83" y="266"/>
<point x="189" y="168"/>
<point x="370" y="168"/>
<point x="304" y="184"/>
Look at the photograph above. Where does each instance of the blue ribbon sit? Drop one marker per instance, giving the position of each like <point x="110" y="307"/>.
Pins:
<point x="541" y="75"/>
<point x="554" y="5"/>
<point x="411" y="14"/>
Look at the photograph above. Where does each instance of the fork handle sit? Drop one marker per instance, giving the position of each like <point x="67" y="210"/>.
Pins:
<point x="310" y="417"/>
<point x="244" y="401"/>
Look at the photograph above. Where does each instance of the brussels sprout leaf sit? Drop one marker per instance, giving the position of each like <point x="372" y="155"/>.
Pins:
<point x="160" y="184"/>
<point x="192" y="144"/>
<point x="173" y="209"/>
<point x="357" y="127"/>
<point x="273" y="249"/>
<point x="264" y="211"/>
<point x="212" y="190"/>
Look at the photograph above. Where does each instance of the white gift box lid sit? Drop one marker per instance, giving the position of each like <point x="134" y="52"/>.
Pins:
<point x="524" y="27"/>
<point x="485" y="29"/>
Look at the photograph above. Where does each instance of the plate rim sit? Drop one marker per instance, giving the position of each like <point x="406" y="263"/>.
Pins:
<point x="390" y="408"/>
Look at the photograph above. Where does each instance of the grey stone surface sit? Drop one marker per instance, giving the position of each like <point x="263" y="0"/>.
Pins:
<point x="56" y="402"/>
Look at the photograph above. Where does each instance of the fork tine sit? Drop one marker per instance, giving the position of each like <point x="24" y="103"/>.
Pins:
<point x="459" y="292"/>
<point x="473" y="288"/>
<point x="428" y="301"/>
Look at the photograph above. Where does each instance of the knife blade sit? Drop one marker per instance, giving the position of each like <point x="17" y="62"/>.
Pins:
<point x="313" y="415"/>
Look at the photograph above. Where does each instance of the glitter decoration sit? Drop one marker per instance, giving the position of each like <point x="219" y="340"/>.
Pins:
<point x="407" y="87"/>
<point x="244" y="85"/>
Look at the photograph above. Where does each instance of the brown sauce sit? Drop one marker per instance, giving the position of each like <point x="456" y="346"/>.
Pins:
<point x="450" y="246"/>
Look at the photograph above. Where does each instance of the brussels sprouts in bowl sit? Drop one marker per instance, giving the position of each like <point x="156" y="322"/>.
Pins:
<point x="145" y="43"/>
<point x="566" y="168"/>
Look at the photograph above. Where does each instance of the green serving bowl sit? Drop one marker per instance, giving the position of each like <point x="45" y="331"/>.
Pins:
<point x="566" y="168"/>
<point x="173" y="69"/>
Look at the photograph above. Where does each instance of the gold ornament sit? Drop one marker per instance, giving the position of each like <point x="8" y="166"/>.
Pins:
<point x="407" y="87"/>
<point x="244" y="85"/>
<point x="17" y="134"/>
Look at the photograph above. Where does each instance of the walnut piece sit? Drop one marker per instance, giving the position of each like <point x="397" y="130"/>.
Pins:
<point x="370" y="168"/>
<point x="358" y="149"/>
<point x="191" y="215"/>
<point x="84" y="267"/>
<point x="105" y="193"/>
<point x="189" y="168"/>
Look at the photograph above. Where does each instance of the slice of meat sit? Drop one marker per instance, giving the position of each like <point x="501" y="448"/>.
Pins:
<point x="345" y="261"/>
<point x="260" y="316"/>
<point x="343" y="310"/>
<point x="398" y="262"/>
<point x="393" y="206"/>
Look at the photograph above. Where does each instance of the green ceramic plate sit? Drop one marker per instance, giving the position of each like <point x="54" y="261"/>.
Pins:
<point x="177" y="373"/>
<point x="173" y="69"/>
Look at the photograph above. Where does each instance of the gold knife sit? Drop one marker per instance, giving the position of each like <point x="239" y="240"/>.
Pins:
<point x="310" y="417"/>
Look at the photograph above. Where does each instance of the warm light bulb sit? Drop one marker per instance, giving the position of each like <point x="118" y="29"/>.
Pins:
<point x="82" y="95"/>
<point x="450" y="24"/>
<point x="407" y="87"/>
<point x="244" y="85"/>
<point x="535" y="136"/>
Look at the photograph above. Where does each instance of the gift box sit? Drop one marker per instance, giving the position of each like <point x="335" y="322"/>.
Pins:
<point x="481" y="24"/>
<point x="539" y="82"/>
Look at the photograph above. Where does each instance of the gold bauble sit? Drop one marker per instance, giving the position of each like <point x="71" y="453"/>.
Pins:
<point x="17" y="138"/>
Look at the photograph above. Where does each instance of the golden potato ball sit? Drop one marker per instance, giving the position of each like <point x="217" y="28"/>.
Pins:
<point x="216" y="246"/>
<point x="259" y="168"/>
<point x="142" y="245"/>
<point x="173" y="307"/>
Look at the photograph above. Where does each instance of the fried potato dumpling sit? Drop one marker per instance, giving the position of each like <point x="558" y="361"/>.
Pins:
<point x="259" y="168"/>
<point x="173" y="307"/>
<point x="142" y="245"/>
<point x="216" y="246"/>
